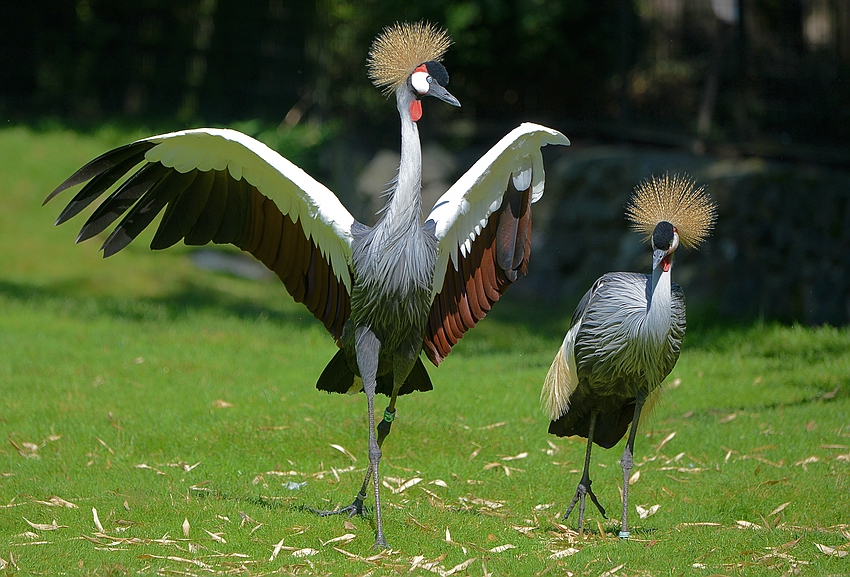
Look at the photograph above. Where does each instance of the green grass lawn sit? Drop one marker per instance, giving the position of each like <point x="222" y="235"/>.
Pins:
<point x="164" y="420"/>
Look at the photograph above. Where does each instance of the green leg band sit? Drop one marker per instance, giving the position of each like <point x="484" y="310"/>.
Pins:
<point x="389" y="416"/>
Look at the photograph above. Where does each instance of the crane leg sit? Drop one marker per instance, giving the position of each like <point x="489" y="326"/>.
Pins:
<point x="367" y="347"/>
<point x="383" y="429"/>
<point x="627" y="462"/>
<point x="583" y="488"/>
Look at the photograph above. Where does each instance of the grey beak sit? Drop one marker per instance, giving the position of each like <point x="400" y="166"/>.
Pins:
<point x="440" y="92"/>
<point x="657" y="255"/>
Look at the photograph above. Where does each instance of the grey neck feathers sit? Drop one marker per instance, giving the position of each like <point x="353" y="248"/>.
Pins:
<point x="399" y="257"/>
<point x="403" y="207"/>
<point x="659" y="304"/>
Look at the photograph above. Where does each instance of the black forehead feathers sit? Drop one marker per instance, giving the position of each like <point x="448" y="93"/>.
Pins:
<point x="662" y="236"/>
<point x="438" y="72"/>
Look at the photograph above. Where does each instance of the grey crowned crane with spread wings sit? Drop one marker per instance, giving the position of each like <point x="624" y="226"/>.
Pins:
<point x="386" y="292"/>
<point x="626" y="334"/>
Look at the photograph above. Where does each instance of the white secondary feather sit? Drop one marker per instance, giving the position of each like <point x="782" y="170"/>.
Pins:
<point x="323" y="217"/>
<point x="461" y="212"/>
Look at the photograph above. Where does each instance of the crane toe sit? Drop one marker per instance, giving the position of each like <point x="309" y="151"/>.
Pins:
<point x="356" y="508"/>
<point x="582" y="491"/>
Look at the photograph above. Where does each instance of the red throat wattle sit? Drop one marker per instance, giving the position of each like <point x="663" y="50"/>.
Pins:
<point x="416" y="110"/>
<point x="665" y="263"/>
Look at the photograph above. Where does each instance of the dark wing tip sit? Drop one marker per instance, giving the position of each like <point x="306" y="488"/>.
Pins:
<point x="80" y="176"/>
<point x="101" y="164"/>
<point x="50" y="196"/>
<point x="116" y="242"/>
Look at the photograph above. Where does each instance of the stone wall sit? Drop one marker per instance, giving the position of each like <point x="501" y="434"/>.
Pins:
<point x="780" y="248"/>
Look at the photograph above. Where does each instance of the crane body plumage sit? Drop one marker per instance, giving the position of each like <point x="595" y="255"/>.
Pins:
<point x="625" y="339"/>
<point x="626" y="335"/>
<point x="393" y="267"/>
<point x="386" y="292"/>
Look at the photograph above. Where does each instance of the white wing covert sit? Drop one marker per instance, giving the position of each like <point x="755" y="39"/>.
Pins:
<point x="483" y="228"/>
<point x="221" y="186"/>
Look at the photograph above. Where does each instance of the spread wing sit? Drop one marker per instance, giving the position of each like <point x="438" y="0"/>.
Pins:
<point x="222" y="186"/>
<point x="483" y="228"/>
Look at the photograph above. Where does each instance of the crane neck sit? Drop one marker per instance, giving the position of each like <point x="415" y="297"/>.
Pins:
<point x="659" y="275"/>
<point x="403" y="207"/>
<point x="659" y="302"/>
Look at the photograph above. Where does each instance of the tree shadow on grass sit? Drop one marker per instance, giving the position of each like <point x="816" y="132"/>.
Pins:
<point x="272" y="503"/>
<point x="188" y="301"/>
<point x="542" y="318"/>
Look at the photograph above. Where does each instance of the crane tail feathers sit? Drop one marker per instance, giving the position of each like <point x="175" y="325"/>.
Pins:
<point x="558" y="386"/>
<point x="417" y="380"/>
<point x="339" y="378"/>
<point x="646" y="412"/>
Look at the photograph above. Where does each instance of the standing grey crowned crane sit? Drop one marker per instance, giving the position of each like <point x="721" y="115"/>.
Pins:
<point x="626" y="334"/>
<point x="385" y="293"/>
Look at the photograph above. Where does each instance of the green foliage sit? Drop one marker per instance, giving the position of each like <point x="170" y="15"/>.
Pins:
<point x="521" y="58"/>
<point x="617" y="69"/>
<point x="169" y="399"/>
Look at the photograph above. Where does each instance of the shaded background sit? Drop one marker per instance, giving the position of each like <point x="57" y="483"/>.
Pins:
<point x="748" y="96"/>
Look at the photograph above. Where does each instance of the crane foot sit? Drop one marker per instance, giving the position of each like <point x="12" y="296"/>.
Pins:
<point x="356" y="508"/>
<point x="582" y="491"/>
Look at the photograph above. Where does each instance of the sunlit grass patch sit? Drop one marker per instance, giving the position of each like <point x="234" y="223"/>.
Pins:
<point x="162" y="419"/>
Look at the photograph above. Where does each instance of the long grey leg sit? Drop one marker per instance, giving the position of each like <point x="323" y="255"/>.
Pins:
<point x="401" y="368"/>
<point x="583" y="488"/>
<point x="367" y="347"/>
<point x="383" y="429"/>
<point x="627" y="462"/>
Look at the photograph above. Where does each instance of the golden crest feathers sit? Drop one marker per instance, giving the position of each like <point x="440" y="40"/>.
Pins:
<point x="677" y="201"/>
<point x="400" y="48"/>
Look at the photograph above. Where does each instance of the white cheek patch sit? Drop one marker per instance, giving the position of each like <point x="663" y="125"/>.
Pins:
<point x="419" y="80"/>
<point x="675" y="244"/>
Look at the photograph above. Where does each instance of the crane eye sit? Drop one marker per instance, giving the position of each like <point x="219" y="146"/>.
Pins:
<point x="421" y="82"/>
